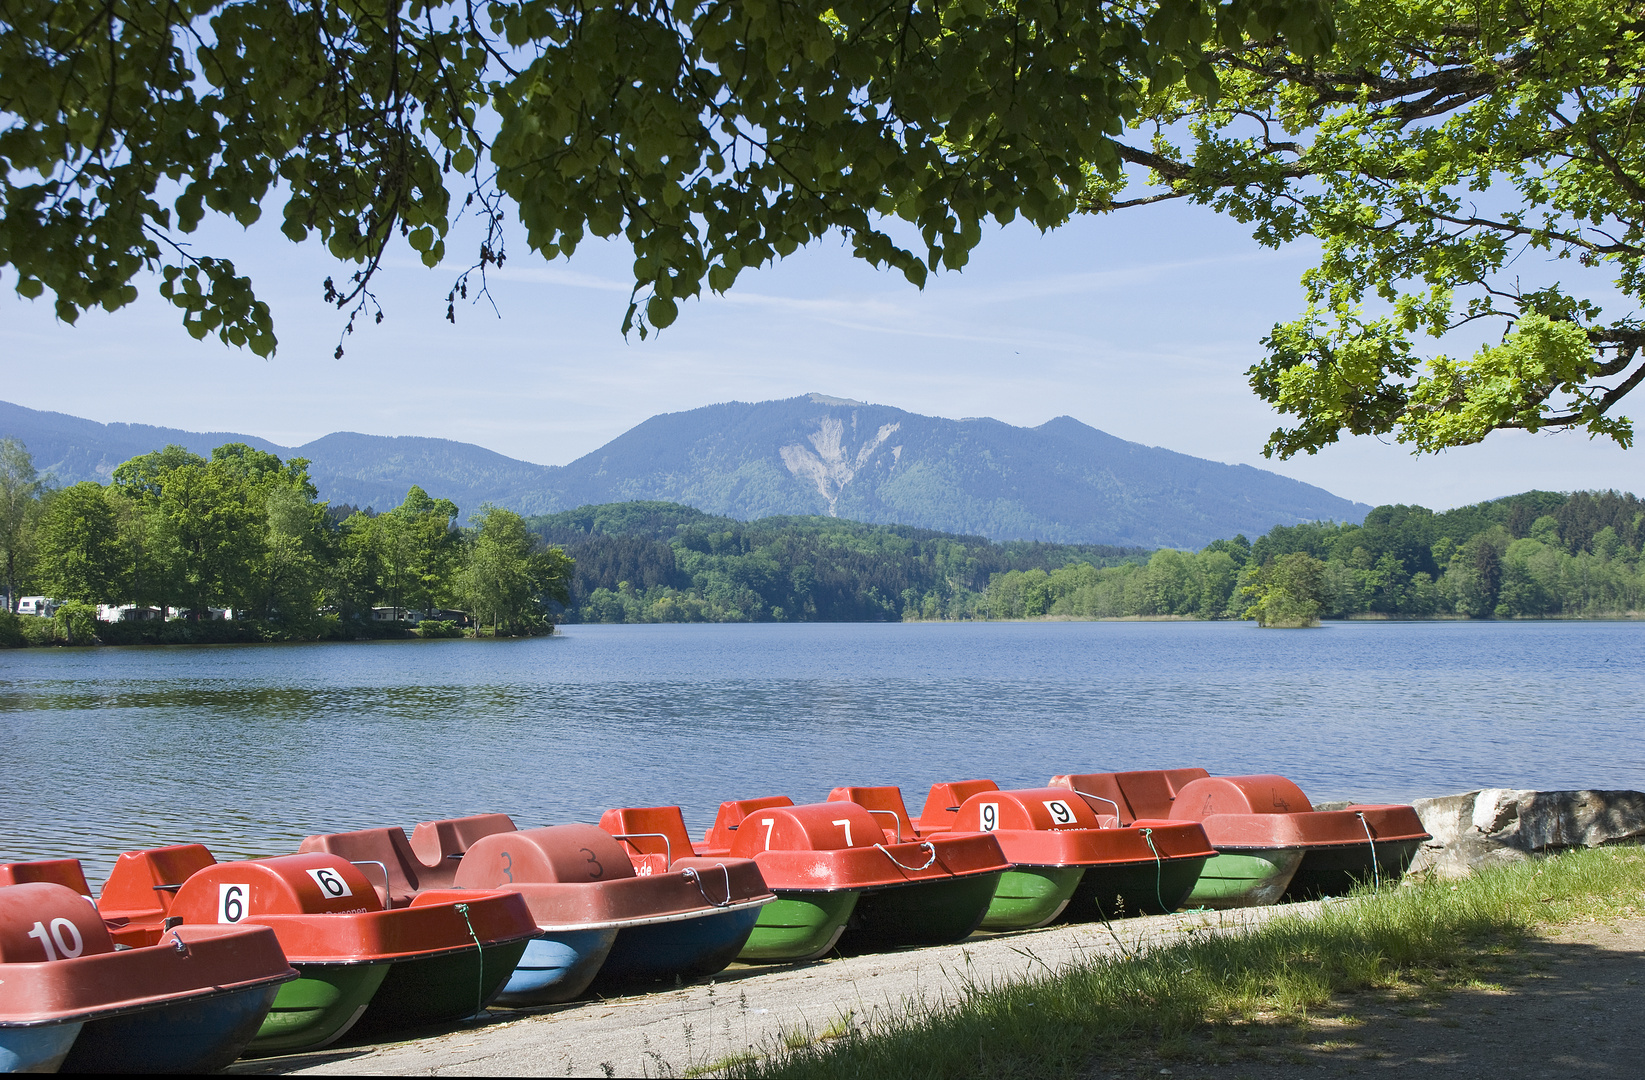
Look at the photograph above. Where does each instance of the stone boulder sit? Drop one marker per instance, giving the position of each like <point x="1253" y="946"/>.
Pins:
<point x="1498" y="825"/>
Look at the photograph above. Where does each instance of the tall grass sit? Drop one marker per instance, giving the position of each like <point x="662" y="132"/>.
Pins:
<point x="1423" y="935"/>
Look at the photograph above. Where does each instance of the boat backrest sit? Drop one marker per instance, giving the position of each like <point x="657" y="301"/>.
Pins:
<point x="654" y="836"/>
<point x="824" y="826"/>
<point x="42" y="920"/>
<point x="143" y="884"/>
<point x="1146" y="793"/>
<point x="558" y="853"/>
<point x="436" y="842"/>
<point x="943" y="802"/>
<point x="886" y="804"/>
<point x="65" y="872"/>
<point x="1210" y="795"/>
<point x="387" y="847"/>
<point x="724" y="831"/>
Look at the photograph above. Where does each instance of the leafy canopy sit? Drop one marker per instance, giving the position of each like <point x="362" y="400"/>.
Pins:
<point x="711" y="135"/>
<point x="1470" y="170"/>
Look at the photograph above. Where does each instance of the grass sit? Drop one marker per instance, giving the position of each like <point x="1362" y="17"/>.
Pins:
<point x="1226" y="991"/>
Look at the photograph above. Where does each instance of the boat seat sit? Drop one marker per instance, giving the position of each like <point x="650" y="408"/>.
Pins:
<point x="884" y="803"/>
<point x="731" y="814"/>
<point x="668" y="839"/>
<point x="143" y="884"/>
<point x="437" y="842"/>
<point x="1240" y="795"/>
<point x="387" y="846"/>
<point x="65" y="872"/>
<point x="943" y="803"/>
<point x="1146" y="793"/>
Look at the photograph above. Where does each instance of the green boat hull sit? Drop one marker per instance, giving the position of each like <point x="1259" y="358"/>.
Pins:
<point x="934" y="912"/>
<point x="1251" y="877"/>
<point x="1151" y="887"/>
<point x="1031" y="896"/>
<point x="1334" y="871"/>
<point x="319" y="1007"/>
<point x="799" y="925"/>
<point x="439" y="989"/>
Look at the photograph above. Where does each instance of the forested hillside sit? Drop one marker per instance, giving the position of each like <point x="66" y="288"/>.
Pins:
<point x="1537" y="554"/>
<point x="663" y="562"/>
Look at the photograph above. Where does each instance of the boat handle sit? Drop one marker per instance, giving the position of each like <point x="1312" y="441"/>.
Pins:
<point x="668" y="848"/>
<point x="895" y="820"/>
<point x="928" y="845"/>
<point x="167" y="888"/>
<point x="1099" y="798"/>
<point x="380" y="866"/>
<point x="691" y="873"/>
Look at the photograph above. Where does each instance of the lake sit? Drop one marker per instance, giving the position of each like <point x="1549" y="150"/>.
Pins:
<point x="250" y="748"/>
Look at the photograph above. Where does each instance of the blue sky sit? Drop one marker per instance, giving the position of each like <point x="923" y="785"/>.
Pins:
<point x="1141" y="324"/>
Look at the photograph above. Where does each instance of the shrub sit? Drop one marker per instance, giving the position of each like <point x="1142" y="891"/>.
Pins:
<point x="439" y="628"/>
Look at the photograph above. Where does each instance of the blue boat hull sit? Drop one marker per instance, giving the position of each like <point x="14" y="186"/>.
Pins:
<point x="557" y="966"/>
<point x="197" y="1035"/>
<point x="36" y="1049"/>
<point x="687" y="948"/>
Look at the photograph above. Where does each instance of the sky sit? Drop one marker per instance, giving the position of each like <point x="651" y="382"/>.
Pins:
<point x="1141" y="324"/>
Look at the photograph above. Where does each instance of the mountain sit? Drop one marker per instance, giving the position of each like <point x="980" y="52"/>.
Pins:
<point x="1062" y="481"/>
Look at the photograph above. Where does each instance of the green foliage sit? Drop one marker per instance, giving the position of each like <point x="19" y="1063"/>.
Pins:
<point x="1288" y="592"/>
<point x="78" y="621"/>
<point x="20" y="488"/>
<point x="511" y="575"/>
<point x="712" y="137"/>
<point x="439" y="628"/>
<point x="661" y="562"/>
<point x="11" y="631"/>
<point x="1106" y="1010"/>
<point x="1433" y="146"/>
<point x="80" y="553"/>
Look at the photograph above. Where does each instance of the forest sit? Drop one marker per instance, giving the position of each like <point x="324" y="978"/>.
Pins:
<point x="1539" y="555"/>
<point x="238" y="548"/>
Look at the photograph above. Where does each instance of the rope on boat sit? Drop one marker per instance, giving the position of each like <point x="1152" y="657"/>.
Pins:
<point x="1376" y="871"/>
<point x="698" y="879"/>
<point x="1159" y="871"/>
<point x="480" y="982"/>
<point x="928" y="845"/>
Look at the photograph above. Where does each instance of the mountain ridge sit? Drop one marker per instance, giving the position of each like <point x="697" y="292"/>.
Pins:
<point x="1062" y="481"/>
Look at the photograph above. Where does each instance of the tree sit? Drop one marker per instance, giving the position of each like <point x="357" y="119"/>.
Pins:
<point x="418" y="547"/>
<point x="510" y="574"/>
<point x="80" y="554"/>
<point x="711" y="136"/>
<point x="1435" y="144"/>
<point x="20" y="488"/>
<point x="1288" y="592"/>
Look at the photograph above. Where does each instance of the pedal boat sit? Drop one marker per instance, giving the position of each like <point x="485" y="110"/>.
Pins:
<point x="661" y="920"/>
<point x="1271" y="843"/>
<point x="365" y="969"/>
<point x="601" y="921"/>
<point x="71" y="1000"/>
<point x="841" y="882"/>
<point x="1068" y="862"/>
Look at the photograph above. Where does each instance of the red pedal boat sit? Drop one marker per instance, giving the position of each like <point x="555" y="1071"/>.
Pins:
<point x="1271" y="843"/>
<point x="838" y="878"/>
<point x="1067" y="861"/>
<point x="189" y="1002"/>
<point x="600" y="920"/>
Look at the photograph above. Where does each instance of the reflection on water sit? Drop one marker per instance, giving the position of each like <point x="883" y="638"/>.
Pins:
<point x="250" y="748"/>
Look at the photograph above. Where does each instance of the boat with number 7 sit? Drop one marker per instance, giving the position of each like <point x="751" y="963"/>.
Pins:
<point x="839" y="881"/>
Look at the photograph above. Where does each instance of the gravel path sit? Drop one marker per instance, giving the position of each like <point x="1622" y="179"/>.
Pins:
<point x="744" y="1007"/>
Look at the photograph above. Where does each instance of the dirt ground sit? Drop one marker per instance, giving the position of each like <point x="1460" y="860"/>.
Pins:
<point x="1572" y="1004"/>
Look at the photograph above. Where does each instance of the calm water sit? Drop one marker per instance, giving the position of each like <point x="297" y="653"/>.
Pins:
<point x="250" y="748"/>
